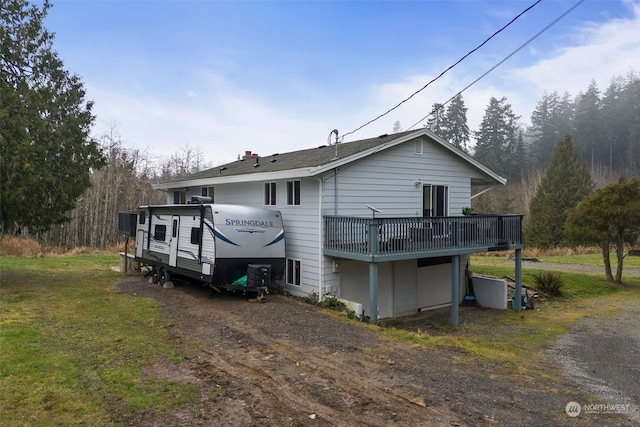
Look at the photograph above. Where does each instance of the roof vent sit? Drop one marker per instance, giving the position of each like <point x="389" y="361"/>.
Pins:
<point x="335" y="143"/>
<point x="383" y="135"/>
<point x="273" y="160"/>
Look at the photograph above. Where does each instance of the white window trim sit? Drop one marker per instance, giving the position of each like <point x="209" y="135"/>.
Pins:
<point x="275" y="197"/>
<point x="291" y="280"/>
<point x="293" y="189"/>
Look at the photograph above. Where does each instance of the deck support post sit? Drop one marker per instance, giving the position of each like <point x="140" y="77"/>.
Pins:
<point x="518" y="293"/>
<point x="373" y="291"/>
<point x="455" y="290"/>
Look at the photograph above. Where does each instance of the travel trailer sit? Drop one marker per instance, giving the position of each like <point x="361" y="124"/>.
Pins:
<point x="239" y="248"/>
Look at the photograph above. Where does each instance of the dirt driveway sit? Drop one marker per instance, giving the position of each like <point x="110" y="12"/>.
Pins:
<point x="285" y="363"/>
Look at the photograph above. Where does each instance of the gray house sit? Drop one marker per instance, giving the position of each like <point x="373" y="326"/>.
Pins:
<point x="377" y="222"/>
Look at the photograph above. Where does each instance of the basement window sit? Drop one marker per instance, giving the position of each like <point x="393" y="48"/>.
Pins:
<point x="293" y="272"/>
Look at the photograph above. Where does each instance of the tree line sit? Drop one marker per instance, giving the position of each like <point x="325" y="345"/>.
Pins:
<point x="65" y="187"/>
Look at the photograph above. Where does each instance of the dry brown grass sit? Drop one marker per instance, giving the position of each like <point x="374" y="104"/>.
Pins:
<point x="537" y="252"/>
<point x="27" y="247"/>
<point x="16" y="246"/>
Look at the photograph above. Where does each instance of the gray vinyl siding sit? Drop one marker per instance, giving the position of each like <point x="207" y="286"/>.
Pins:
<point x="300" y="222"/>
<point x="387" y="180"/>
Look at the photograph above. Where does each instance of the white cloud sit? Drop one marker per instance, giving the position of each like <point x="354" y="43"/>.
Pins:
<point x="597" y="52"/>
<point x="224" y="120"/>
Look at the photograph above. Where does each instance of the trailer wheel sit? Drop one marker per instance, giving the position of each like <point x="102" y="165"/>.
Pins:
<point x="155" y="275"/>
<point x="162" y="276"/>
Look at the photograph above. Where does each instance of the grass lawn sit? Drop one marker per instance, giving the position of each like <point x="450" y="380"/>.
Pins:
<point x="73" y="347"/>
<point x="520" y="339"/>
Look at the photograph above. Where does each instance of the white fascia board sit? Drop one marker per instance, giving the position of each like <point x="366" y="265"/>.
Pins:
<point x="248" y="177"/>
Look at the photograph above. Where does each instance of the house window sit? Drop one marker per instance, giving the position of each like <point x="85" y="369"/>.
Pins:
<point x="293" y="272"/>
<point x="435" y="200"/>
<point x="160" y="233"/>
<point x="418" y="146"/>
<point x="179" y="197"/>
<point x="270" y="193"/>
<point x="293" y="193"/>
<point x="195" y="235"/>
<point x="208" y="192"/>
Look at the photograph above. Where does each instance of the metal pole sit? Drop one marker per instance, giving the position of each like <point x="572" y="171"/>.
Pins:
<point x="518" y="295"/>
<point x="455" y="290"/>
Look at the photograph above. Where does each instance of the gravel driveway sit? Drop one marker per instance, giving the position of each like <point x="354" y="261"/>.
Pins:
<point x="286" y="363"/>
<point x="602" y="356"/>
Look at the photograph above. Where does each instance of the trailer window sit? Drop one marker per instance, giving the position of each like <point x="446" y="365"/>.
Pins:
<point x="293" y="272"/>
<point x="142" y="217"/>
<point x="160" y="233"/>
<point x="195" y="236"/>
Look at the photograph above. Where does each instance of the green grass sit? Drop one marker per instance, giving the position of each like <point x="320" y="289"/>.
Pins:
<point x="520" y="339"/>
<point x="576" y="285"/>
<point x="73" y="347"/>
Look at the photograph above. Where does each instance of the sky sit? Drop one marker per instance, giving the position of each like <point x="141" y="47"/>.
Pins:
<point x="225" y="77"/>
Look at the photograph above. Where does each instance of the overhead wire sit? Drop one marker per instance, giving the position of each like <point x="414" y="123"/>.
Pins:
<point x="447" y="69"/>
<point x="555" y="21"/>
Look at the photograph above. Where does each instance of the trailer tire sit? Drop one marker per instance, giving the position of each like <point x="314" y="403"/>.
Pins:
<point x="155" y="275"/>
<point x="162" y="276"/>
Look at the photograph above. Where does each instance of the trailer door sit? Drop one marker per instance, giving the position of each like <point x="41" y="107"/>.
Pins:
<point x="173" y="247"/>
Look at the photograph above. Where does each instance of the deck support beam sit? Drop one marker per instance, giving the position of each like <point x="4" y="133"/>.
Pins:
<point x="455" y="290"/>
<point x="373" y="291"/>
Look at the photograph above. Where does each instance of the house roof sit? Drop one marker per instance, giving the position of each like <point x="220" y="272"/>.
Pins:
<point x="313" y="161"/>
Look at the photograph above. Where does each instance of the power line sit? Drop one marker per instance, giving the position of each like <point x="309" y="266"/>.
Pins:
<point x="445" y="71"/>
<point x="555" y="21"/>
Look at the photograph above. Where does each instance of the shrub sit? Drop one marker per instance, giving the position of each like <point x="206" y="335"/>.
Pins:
<point x="549" y="282"/>
<point x="16" y="246"/>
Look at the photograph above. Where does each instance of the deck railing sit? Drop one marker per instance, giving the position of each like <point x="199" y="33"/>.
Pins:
<point x="395" y="237"/>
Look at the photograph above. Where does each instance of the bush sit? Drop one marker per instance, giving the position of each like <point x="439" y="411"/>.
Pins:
<point x="16" y="246"/>
<point x="549" y="283"/>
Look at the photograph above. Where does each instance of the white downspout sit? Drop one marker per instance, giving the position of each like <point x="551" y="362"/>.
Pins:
<point x="320" y="254"/>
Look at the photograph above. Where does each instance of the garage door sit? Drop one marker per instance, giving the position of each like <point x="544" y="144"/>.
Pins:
<point x="434" y="286"/>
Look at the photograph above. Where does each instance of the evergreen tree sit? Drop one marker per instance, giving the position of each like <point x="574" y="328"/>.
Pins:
<point x="435" y="123"/>
<point x="550" y="121"/>
<point x="497" y="138"/>
<point x="456" y="129"/>
<point x="608" y="218"/>
<point x="46" y="153"/>
<point x="588" y="130"/>
<point x="631" y="113"/>
<point x="565" y="183"/>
